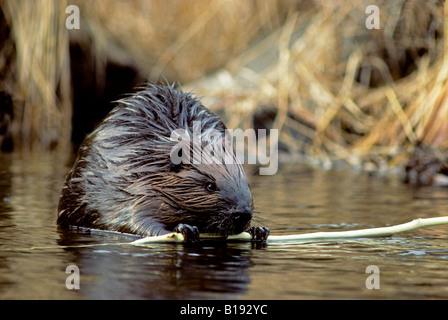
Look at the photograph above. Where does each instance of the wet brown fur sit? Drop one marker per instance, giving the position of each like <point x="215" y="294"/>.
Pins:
<point x="124" y="180"/>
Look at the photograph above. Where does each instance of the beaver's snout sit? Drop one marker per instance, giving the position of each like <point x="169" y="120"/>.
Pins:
<point x="239" y="220"/>
<point x="243" y="217"/>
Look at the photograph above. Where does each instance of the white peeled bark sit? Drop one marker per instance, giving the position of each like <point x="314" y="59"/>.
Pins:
<point x="315" y="236"/>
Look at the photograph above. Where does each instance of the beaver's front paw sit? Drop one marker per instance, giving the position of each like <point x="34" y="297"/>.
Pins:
<point x="259" y="233"/>
<point x="190" y="233"/>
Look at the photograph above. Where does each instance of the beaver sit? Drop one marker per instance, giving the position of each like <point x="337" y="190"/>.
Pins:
<point x="124" y="178"/>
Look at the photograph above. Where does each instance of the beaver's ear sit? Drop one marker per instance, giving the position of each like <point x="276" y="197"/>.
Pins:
<point x="176" y="160"/>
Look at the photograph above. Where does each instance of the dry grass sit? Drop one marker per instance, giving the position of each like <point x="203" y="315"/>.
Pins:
<point x="41" y="88"/>
<point x="179" y="40"/>
<point x="350" y="92"/>
<point x="339" y="90"/>
<point x="175" y="40"/>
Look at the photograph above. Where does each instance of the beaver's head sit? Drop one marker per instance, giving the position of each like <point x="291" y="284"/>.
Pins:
<point x="211" y="194"/>
<point x="205" y="190"/>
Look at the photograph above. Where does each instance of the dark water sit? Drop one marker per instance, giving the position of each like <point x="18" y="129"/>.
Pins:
<point x="34" y="254"/>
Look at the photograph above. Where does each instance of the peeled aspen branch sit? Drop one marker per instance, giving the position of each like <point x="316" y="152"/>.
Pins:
<point x="315" y="236"/>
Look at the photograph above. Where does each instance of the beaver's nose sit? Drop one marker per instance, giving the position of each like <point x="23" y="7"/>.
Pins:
<point x="243" y="215"/>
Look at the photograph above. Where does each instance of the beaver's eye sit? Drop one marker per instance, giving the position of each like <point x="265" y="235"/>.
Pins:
<point x="211" y="187"/>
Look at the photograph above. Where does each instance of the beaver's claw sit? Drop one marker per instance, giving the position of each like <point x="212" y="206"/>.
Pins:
<point x="190" y="233"/>
<point x="259" y="233"/>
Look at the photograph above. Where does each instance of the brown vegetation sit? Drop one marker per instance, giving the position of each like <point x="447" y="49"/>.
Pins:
<point x="336" y="89"/>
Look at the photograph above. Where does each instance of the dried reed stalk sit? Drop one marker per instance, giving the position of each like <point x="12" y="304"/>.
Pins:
<point x="348" y="84"/>
<point x="176" y="40"/>
<point x="339" y="89"/>
<point x="42" y="109"/>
